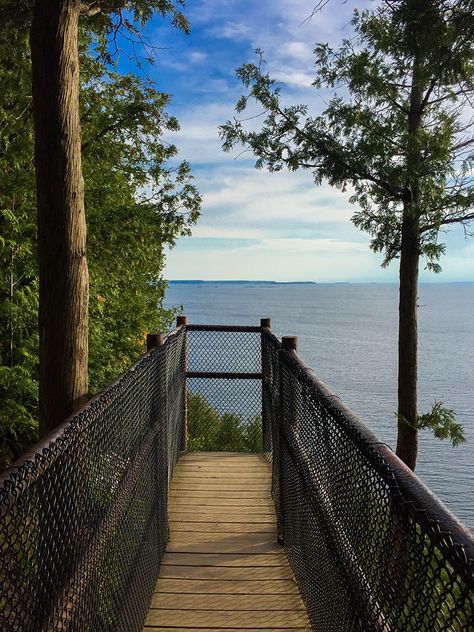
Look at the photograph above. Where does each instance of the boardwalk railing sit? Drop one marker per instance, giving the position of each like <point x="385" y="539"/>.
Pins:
<point x="83" y="517"/>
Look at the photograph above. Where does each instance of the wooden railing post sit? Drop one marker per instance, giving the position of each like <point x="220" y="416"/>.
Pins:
<point x="265" y="323"/>
<point x="287" y="416"/>
<point x="160" y="450"/>
<point x="182" y="321"/>
<point x="290" y="343"/>
<point x="153" y="340"/>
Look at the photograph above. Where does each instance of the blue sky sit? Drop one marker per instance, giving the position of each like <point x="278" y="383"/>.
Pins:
<point x="257" y="225"/>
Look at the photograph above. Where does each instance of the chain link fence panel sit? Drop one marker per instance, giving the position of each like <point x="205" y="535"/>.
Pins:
<point x="371" y="548"/>
<point x="83" y="517"/>
<point x="224" y="401"/>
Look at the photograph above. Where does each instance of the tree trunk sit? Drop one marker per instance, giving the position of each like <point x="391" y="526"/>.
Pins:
<point x="63" y="303"/>
<point x="407" y="442"/>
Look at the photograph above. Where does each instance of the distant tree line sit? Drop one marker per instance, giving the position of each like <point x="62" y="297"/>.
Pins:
<point x="212" y="431"/>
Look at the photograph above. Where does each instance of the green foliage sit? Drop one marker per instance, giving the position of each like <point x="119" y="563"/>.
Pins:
<point x="442" y="422"/>
<point x="18" y="424"/>
<point x="18" y="280"/>
<point x="210" y="431"/>
<point x="136" y="202"/>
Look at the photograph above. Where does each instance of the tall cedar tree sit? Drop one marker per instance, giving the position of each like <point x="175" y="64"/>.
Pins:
<point x="400" y="133"/>
<point x="63" y="271"/>
<point x="136" y="199"/>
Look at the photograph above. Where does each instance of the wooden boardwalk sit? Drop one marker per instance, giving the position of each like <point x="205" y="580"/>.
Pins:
<point x="223" y="569"/>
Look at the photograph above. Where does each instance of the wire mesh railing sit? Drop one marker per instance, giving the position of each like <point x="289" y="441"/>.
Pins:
<point x="224" y="388"/>
<point x="371" y="548"/>
<point x="83" y="517"/>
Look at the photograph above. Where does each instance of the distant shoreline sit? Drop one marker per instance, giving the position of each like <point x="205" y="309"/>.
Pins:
<point x="242" y="282"/>
<point x="261" y="282"/>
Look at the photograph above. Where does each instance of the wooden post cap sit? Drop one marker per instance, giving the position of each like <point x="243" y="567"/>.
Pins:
<point x="266" y="322"/>
<point x="181" y="320"/>
<point x="289" y="343"/>
<point x="153" y="340"/>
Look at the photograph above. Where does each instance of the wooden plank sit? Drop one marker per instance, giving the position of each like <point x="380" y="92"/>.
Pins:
<point x="217" y="508"/>
<point x="188" y="500"/>
<point x="204" y="474"/>
<point x="225" y="573"/>
<point x="223" y="463"/>
<point x="257" y="545"/>
<point x="217" y="494"/>
<point x="178" y="516"/>
<point x="227" y="602"/>
<point x="187" y="629"/>
<point x="239" y="483"/>
<point x="225" y="466"/>
<point x="181" y="545"/>
<point x="212" y="486"/>
<point x="221" y="455"/>
<point x="223" y="470"/>
<point x="223" y="527"/>
<point x="233" y="560"/>
<point x="217" y="515"/>
<point x="227" y="587"/>
<point x="274" y="620"/>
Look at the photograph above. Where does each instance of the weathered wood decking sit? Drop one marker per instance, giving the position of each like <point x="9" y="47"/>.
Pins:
<point x="223" y="569"/>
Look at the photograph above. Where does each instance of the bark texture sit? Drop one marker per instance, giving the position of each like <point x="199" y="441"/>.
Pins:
<point x="63" y="308"/>
<point x="407" y="440"/>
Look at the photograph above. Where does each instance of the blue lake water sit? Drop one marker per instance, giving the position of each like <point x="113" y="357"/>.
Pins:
<point x="348" y="334"/>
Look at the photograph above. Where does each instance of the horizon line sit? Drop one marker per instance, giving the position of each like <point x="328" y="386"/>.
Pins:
<point x="295" y="282"/>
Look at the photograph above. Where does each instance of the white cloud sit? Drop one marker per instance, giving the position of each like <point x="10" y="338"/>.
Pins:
<point x="197" y="57"/>
<point x="301" y="51"/>
<point x="257" y="198"/>
<point x="234" y="30"/>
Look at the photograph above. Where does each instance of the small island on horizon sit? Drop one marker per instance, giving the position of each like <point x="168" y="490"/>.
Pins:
<point x="238" y="281"/>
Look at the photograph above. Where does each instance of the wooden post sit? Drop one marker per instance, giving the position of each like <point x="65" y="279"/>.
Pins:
<point x="153" y="340"/>
<point x="286" y="422"/>
<point x="182" y="321"/>
<point x="289" y="343"/>
<point x="159" y="455"/>
<point x="265" y="323"/>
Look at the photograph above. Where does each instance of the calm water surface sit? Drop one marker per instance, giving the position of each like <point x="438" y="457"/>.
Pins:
<point x="348" y="334"/>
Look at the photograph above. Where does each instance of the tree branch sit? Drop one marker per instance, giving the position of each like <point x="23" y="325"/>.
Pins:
<point x="449" y="220"/>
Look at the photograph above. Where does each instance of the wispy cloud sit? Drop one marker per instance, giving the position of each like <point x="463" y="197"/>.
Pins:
<point x="197" y="56"/>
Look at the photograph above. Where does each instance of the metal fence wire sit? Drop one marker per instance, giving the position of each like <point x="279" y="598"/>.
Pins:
<point x="83" y="517"/>
<point x="224" y="388"/>
<point x="83" y="522"/>
<point x="371" y="548"/>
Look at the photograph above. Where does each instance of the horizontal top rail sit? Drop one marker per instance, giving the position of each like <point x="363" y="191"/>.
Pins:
<point x="236" y="328"/>
<point x="225" y="375"/>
